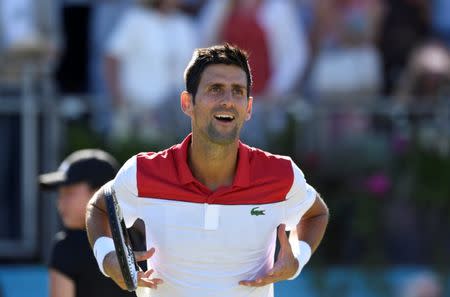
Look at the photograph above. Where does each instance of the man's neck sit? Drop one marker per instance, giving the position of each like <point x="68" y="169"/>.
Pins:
<point x="212" y="164"/>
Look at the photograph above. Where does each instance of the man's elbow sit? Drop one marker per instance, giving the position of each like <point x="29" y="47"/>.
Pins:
<point x="322" y="206"/>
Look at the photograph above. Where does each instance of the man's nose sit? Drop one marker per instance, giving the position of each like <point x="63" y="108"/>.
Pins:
<point x="227" y="99"/>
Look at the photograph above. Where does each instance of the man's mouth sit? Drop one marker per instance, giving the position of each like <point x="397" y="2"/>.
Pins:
<point x="226" y="118"/>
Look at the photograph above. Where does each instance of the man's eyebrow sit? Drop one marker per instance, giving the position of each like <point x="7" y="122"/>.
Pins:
<point x="218" y="84"/>
<point x="238" y="86"/>
<point x="215" y="84"/>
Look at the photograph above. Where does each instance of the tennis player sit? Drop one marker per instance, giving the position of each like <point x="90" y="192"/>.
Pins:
<point x="213" y="207"/>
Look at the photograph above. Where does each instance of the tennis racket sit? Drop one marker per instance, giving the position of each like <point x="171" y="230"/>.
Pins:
<point x="121" y="240"/>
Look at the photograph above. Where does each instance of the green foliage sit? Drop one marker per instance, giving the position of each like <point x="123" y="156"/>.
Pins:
<point x="81" y="136"/>
<point x="432" y="175"/>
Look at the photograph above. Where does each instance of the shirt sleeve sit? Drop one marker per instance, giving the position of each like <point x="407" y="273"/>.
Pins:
<point x="125" y="187"/>
<point x="299" y="199"/>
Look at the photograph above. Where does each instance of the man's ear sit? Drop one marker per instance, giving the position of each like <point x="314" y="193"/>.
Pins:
<point x="249" y="108"/>
<point x="186" y="101"/>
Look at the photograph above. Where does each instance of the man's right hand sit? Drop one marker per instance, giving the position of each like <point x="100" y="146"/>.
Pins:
<point x="112" y="268"/>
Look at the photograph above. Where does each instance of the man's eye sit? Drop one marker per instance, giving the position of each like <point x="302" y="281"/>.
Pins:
<point x="215" y="89"/>
<point x="239" y="92"/>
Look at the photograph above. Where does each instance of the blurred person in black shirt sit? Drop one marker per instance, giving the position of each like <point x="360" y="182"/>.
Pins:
<point x="73" y="268"/>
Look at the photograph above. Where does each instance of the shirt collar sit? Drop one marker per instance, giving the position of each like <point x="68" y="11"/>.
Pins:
<point x="241" y="179"/>
<point x="181" y="161"/>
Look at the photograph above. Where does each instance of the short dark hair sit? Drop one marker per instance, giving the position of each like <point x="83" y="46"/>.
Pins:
<point x="218" y="54"/>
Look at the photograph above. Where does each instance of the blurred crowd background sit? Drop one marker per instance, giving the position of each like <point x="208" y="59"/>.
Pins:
<point x="356" y="91"/>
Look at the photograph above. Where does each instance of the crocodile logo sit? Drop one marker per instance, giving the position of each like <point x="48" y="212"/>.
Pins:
<point x="256" y="212"/>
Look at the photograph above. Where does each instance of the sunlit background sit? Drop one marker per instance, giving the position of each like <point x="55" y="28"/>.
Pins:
<point x="355" y="91"/>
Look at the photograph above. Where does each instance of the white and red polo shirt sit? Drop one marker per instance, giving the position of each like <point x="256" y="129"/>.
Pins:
<point x="207" y="241"/>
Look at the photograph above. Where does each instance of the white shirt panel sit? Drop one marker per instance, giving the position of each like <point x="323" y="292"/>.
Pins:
<point x="193" y="260"/>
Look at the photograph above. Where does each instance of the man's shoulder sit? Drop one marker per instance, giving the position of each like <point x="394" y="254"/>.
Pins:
<point x="264" y="165"/>
<point x="164" y="156"/>
<point x="148" y="159"/>
<point x="161" y="163"/>
<point x="260" y="155"/>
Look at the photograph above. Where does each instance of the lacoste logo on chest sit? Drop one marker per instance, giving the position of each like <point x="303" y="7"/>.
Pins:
<point x="256" y="212"/>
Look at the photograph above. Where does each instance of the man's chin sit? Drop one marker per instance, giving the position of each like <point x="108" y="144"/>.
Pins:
<point x="229" y="136"/>
<point x="223" y="138"/>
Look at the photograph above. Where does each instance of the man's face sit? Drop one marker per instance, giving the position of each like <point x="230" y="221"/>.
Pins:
<point x="221" y="104"/>
<point x="72" y="201"/>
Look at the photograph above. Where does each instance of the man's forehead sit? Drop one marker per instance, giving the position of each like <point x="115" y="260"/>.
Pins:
<point x="222" y="73"/>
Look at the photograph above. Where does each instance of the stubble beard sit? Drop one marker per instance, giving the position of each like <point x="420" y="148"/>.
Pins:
<point x="222" y="137"/>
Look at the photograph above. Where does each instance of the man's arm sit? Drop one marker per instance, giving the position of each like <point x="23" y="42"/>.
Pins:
<point x="313" y="223"/>
<point x="96" y="218"/>
<point x="97" y="226"/>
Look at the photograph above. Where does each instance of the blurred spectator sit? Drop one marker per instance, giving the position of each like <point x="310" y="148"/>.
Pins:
<point x="440" y="20"/>
<point x="73" y="68"/>
<point x="423" y="87"/>
<point x="404" y="25"/>
<point x="306" y="12"/>
<point x="146" y="56"/>
<point x="85" y="26"/>
<point x="73" y="268"/>
<point x="427" y="75"/>
<point x="270" y="31"/>
<point x="103" y="19"/>
<point x="346" y="63"/>
<point x="423" y="285"/>
<point x="345" y="68"/>
<point x="192" y="7"/>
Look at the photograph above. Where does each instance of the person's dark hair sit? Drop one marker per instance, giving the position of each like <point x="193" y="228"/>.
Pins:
<point x="218" y="54"/>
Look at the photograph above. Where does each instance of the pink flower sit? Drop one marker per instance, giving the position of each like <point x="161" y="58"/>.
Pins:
<point x="378" y="184"/>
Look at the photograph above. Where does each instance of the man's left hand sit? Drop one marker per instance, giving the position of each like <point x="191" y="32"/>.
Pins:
<point x="284" y="268"/>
